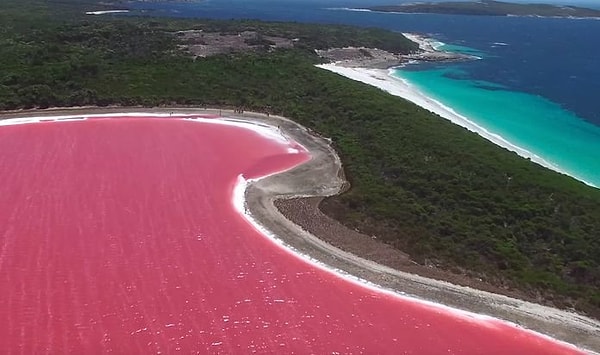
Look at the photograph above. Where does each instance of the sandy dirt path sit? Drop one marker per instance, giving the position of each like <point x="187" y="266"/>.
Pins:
<point x="322" y="176"/>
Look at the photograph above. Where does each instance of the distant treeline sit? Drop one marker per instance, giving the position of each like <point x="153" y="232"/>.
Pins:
<point x="419" y="183"/>
<point x="489" y="8"/>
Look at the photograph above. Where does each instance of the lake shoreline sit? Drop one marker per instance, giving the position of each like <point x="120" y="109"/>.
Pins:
<point x="303" y="182"/>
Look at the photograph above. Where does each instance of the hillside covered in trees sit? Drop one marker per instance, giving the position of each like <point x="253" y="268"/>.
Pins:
<point x="421" y="184"/>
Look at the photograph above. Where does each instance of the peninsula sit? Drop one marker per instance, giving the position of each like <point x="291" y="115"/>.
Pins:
<point x="491" y="8"/>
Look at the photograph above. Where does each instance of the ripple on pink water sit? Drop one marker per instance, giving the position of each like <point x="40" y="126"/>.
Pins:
<point x="120" y="235"/>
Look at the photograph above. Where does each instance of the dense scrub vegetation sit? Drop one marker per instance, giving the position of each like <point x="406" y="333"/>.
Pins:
<point x="420" y="183"/>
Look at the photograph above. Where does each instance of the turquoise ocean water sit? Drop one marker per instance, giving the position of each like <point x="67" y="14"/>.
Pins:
<point x="531" y="122"/>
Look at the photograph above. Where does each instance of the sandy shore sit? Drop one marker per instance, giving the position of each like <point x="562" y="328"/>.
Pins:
<point x="321" y="176"/>
<point x="425" y="44"/>
<point x="382" y="79"/>
<point x="106" y="12"/>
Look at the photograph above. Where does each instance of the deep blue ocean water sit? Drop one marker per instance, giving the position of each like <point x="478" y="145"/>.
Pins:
<point x="537" y="84"/>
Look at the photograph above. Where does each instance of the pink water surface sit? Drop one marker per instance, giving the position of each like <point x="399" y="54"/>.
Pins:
<point x="119" y="235"/>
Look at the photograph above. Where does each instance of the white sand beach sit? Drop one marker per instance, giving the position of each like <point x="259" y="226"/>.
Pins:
<point x="106" y="12"/>
<point x="383" y="80"/>
<point x="425" y="43"/>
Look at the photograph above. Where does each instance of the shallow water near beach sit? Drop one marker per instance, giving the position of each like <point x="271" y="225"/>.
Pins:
<point x="528" y="121"/>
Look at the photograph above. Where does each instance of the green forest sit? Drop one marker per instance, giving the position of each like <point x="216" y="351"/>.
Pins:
<point x="430" y="188"/>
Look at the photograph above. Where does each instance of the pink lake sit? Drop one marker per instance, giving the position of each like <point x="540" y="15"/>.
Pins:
<point x="119" y="235"/>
